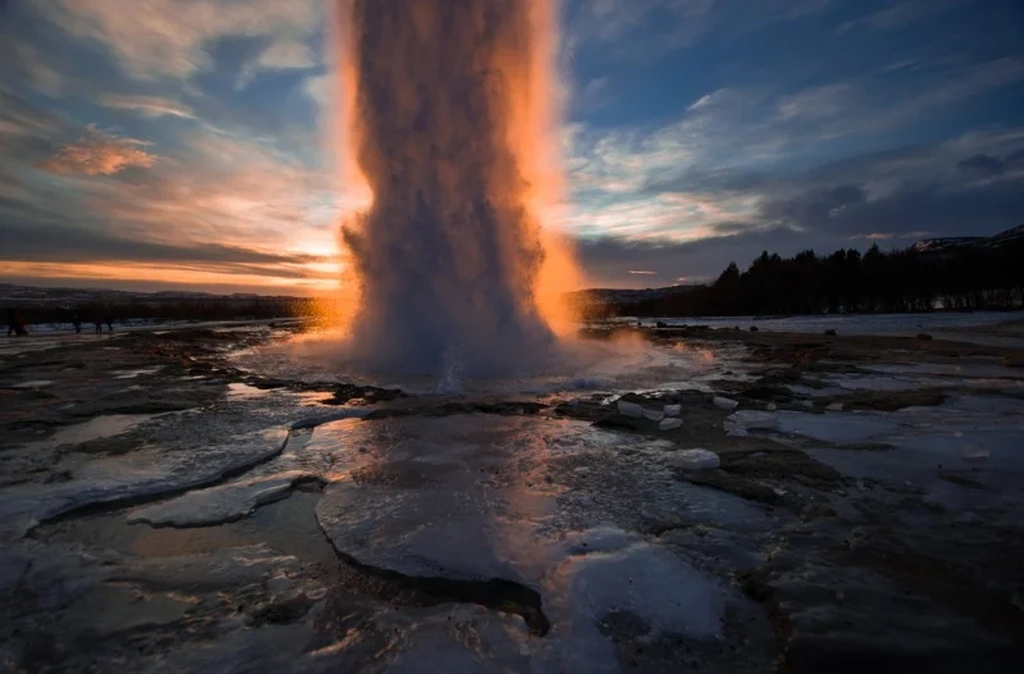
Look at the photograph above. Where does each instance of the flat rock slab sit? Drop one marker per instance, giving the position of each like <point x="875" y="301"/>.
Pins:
<point x="224" y="503"/>
<point x="143" y="475"/>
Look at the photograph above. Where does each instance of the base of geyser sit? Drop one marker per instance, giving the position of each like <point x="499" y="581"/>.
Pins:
<point x="332" y="350"/>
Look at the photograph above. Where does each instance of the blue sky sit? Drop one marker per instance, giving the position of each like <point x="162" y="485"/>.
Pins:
<point x="158" y="143"/>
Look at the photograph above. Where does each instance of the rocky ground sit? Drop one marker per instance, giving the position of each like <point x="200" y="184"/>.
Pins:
<point x="165" y="506"/>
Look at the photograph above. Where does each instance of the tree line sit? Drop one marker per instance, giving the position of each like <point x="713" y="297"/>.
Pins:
<point x="964" y="278"/>
<point x="199" y="309"/>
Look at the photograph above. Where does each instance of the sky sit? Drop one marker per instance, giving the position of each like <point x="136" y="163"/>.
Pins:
<point x="158" y="144"/>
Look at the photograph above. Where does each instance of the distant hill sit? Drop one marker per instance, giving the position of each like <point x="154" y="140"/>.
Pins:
<point x="19" y="294"/>
<point x="626" y="295"/>
<point x="953" y="243"/>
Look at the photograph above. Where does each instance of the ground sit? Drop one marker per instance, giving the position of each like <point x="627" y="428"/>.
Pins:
<point x="203" y="499"/>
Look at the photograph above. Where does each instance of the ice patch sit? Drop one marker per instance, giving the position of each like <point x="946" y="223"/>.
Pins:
<point x="143" y="474"/>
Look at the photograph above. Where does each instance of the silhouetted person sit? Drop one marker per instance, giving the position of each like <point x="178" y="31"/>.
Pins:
<point x="15" y="323"/>
<point x="109" y="320"/>
<point x="77" y="322"/>
<point x="99" y="324"/>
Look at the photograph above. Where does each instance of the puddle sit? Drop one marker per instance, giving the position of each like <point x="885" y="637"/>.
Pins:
<point x="240" y="391"/>
<point x="38" y="383"/>
<point x="96" y="428"/>
<point x="288" y="526"/>
<point x="132" y="374"/>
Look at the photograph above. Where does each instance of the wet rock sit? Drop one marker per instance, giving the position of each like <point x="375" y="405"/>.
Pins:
<point x="370" y="394"/>
<point x="653" y="415"/>
<point x="724" y="403"/>
<point x="834" y="407"/>
<point x="1014" y="360"/>
<point x="694" y="459"/>
<point x="750" y="420"/>
<point x="924" y="336"/>
<point x="743" y="487"/>
<point x="975" y="454"/>
<point x="630" y="409"/>
<point x="830" y="333"/>
<point x="670" y="424"/>
<point x="225" y="503"/>
<point x="673" y="410"/>
<point x="892" y="401"/>
<point x="282" y="612"/>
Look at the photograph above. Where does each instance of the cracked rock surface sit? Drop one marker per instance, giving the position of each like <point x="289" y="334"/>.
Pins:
<point x="200" y="500"/>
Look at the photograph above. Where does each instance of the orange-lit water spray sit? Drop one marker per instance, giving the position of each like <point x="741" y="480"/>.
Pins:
<point x="448" y="119"/>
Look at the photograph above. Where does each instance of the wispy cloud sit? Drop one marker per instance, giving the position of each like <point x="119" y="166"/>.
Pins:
<point x="901" y="13"/>
<point x="660" y="26"/>
<point x="147" y="106"/>
<point x="169" y="38"/>
<point x="98" y="153"/>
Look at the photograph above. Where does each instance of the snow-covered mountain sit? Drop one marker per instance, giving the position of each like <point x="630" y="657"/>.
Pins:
<point x="949" y="243"/>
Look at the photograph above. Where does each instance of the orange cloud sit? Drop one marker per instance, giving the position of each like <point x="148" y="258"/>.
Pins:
<point x="99" y="154"/>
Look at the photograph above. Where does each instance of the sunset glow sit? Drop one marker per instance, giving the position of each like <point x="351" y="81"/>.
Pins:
<point x="673" y="137"/>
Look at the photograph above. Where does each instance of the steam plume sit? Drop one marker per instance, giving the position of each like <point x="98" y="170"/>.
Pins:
<point x="448" y="113"/>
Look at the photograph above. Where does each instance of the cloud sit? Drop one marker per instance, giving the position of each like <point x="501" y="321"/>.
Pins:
<point x="982" y="166"/>
<point x="647" y="29"/>
<point x="696" y="223"/>
<point x="901" y="14"/>
<point x="65" y="243"/>
<point x="98" y="153"/>
<point x="147" y="106"/>
<point x="169" y="38"/>
<point x="712" y="171"/>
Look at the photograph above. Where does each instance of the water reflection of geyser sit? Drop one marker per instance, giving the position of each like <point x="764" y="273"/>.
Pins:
<point x="448" y="113"/>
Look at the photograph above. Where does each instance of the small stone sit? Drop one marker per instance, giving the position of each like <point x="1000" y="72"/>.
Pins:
<point x="279" y="585"/>
<point x="653" y="415"/>
<point x="673" y="410"/>
<point x="975" y="454"/>
<point x="835" y="407"/>
<point x="753" y="420"/>
<point x="695" y="459"/>
<point x="771" y="407"/>
<point x="628" y="409"/>
<point x="670" y="424"/>
<point x="724" y="403"/>
<point x="809" y="404"/>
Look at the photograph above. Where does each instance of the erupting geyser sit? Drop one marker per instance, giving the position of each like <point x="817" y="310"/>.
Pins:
<point x="449" y="112"/>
